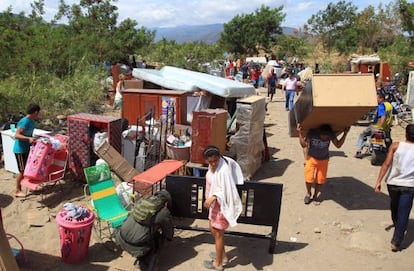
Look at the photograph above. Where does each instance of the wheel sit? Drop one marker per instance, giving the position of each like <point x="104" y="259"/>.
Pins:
<point x="374" y="158"/>
<point x="377" y="158"/>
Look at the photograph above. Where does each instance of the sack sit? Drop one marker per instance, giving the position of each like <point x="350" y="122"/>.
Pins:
<point x="146" y="208"/>
<point x="133" y="237"/>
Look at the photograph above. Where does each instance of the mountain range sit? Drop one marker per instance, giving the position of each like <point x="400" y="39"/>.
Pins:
<point x="209" y="33"/>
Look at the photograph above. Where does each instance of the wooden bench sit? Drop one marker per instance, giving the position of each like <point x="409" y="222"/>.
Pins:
<point x="261" y="204"/>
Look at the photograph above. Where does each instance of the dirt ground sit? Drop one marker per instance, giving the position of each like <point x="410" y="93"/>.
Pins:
<point x="350" y="230"/>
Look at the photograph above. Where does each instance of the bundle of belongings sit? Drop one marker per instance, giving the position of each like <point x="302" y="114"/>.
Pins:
<point x="144" y="231"/>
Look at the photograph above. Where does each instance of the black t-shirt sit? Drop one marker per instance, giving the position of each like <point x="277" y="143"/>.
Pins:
<point x="318" y="148"/>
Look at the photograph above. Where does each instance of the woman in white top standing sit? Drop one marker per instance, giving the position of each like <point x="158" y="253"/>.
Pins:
<point x="222" y="201"/>
<point x="400" y="184"/>
<point x="290" y="89"/>
<point x="118" y="95"/>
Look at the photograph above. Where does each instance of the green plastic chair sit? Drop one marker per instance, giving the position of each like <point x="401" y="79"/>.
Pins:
<point x="105" y="201"/>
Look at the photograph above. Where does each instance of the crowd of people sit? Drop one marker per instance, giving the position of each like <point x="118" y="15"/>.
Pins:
<point x="223" y="174"/>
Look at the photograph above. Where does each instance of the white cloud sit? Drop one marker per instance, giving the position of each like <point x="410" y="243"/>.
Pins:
<point x="17" y="5"/>
<point x="150" y="13"/>
<point x="304" y="6"/>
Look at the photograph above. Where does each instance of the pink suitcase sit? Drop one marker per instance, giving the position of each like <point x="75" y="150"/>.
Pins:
<point x="40" y="158"/>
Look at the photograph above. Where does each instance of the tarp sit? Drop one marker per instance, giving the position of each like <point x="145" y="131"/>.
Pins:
<point x="368" y="60"/>
<point x="258" y="59"/>
<point x="185" y="80"/>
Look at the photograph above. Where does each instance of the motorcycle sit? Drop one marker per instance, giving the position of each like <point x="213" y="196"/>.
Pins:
<point x="377" y="147"/>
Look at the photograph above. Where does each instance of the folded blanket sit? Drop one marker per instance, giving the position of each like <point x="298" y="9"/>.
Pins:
<point x="74" y="211"/>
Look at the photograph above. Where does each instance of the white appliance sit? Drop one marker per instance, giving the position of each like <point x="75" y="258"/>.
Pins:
<point x="7" y="137"/>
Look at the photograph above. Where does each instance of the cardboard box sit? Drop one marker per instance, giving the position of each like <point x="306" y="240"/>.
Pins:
<point x="336" y="99"/>
<point x="116" y="162"/>
<point x="133" y="84"/>
<point x="247" y="143"/>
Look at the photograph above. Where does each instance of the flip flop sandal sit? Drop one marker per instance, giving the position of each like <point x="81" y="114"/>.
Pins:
<point x="307" y="200"/>
<point x="317" y="201"/>
<point x="210" y="265"/>
<point x="20" y="195"/>
<point x="213" y="257"/>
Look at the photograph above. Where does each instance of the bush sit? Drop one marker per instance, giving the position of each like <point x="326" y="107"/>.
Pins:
<point x="78" y="92"/>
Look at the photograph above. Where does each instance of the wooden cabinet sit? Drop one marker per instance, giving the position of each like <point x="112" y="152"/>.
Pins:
<point x="209" y="127"/>
<point x="148" y="103"/>
<point x="138" y="102"/>
<point x="81" y="129"/>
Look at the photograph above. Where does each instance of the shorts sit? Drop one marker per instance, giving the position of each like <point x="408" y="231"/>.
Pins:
<point x="217" y="219"/>
<point x="316" y="170"/>
<point x="21" y="159"/>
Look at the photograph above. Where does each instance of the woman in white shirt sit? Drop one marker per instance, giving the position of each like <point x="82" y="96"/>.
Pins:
<point x="290" y="89"/>
<point x="222" y="200"/>
<point x="400" y="184"/>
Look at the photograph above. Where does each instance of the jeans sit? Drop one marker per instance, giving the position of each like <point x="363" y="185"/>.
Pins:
<point x="367" y="133"/>
<point x="363" y="136"/>
<point x="401" y="202"/>
<point x="290" y="96"/>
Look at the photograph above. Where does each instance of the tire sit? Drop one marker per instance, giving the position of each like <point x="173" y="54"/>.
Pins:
<point x="377" y="158"/>
<point x="374" y="158"/>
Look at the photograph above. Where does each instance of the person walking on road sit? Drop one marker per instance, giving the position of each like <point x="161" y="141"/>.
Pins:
<point x="271" y="85"/>
<point x="290" y="89"/>
<point x="400" y="184"/>
<point x="316" y="143"/>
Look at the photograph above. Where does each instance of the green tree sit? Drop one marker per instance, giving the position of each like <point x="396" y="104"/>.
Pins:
<point x="12" y="41"/>
<point x="368" y="27"/>
<point x="407" y="18"/>
<point x="22" y="39"/>
<point x="95" y="35"/>
<point x="335" y="26"/>
<point x="292" y="46"/>
<point x="188" y="55"/>
<point x="388" y="20"/>
<point x="247" y="34"/>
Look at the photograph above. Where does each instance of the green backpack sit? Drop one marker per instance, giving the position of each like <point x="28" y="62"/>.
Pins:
<point x="146" y="208"/>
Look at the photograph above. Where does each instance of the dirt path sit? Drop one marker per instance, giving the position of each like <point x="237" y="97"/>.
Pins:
<point x="348" y="231"/>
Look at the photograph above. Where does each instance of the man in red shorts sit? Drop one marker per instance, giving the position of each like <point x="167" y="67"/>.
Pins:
<point x="316" y="142"/>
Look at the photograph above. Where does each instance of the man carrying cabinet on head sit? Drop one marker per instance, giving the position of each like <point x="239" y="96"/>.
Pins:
<point x="317" y="142"/>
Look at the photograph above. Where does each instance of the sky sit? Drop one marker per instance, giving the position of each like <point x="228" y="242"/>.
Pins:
<point x="170" y="13"/>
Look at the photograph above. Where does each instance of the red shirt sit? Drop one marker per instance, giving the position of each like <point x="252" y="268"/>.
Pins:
<point x="255" y="74"/>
